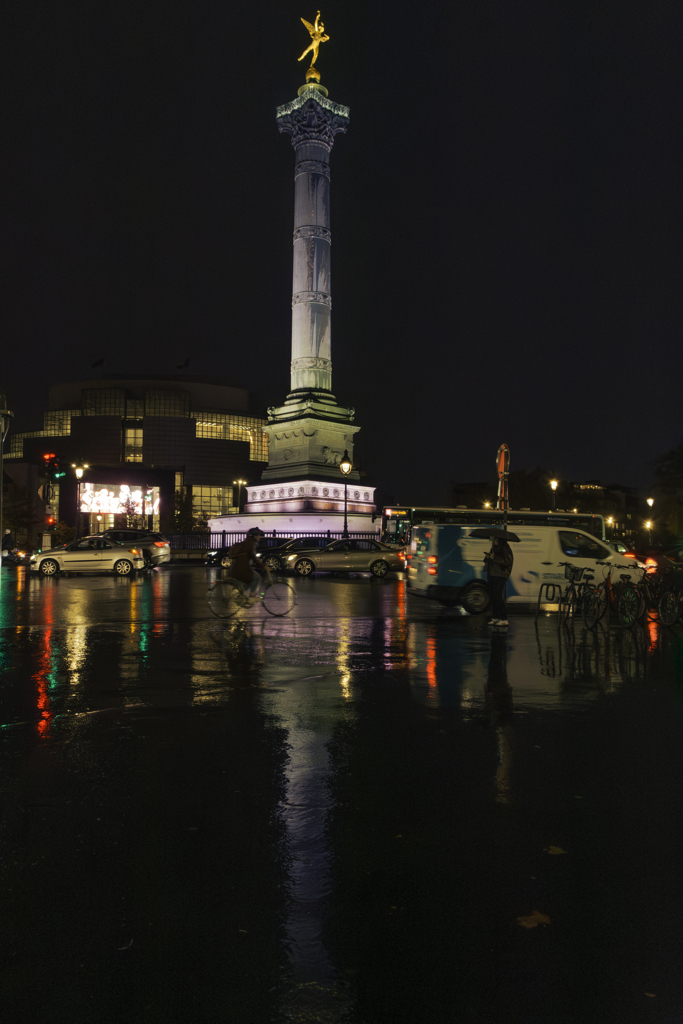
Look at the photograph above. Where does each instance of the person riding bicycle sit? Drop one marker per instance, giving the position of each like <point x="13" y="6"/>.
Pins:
<point x="243" y="555"/>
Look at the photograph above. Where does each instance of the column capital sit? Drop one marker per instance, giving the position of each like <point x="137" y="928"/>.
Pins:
<point x="311" y="117"/>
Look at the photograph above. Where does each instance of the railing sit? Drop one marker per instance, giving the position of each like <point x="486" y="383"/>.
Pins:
<point x="214" y="541"/>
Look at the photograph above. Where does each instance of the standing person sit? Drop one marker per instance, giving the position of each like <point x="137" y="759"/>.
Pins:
<point x="7" y="544"/>
<point x="498" y="563"/>
<point x="243" y="554"/>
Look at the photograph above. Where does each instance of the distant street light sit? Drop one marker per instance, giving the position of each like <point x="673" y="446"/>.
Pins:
<point x="650" y="502"/>
<point x="346" y="466"/>
<point x="648" y="527"/>
<point x="239" y="484"/>
<point x="553" y="485"/>
<point x="5" y="417"/>
<point x="487" y="504"/>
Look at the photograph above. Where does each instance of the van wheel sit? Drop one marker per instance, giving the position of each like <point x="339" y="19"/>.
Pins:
<point x="476" y="599"/>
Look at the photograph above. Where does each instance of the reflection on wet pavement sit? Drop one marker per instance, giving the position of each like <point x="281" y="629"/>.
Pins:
<point x="371" y="810"/>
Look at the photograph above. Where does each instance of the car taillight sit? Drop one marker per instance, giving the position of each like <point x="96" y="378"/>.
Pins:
<point x="650" y="565"/>
<point x="159" y="544"/>
<point x="629" y="554"/>
<point x="432" y="563"/>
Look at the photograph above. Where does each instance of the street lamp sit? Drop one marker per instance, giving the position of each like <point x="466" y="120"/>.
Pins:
<point x="650" y="502"/>
<point x="553" y="487"/>
<point x="79" y="467"/>
<point x="487" y="504"/>
<point x="648" y="527"/>
<point x="346" y="466"/>
<point x="239" y="484"/>
<point x="5" y="417"/>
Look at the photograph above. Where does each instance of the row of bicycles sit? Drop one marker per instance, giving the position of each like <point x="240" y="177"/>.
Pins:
<point x="655" y="595"/>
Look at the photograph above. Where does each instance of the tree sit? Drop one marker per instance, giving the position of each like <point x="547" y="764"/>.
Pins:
<point x="130" y="511"/>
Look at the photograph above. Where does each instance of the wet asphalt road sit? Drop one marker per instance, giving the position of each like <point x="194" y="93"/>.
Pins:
<point x="370" y="811"/>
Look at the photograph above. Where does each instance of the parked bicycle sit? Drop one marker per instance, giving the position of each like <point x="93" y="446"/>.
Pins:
<point x="571" y="602"/>
<point x="640" y="599"/>
<point x="670" y="597"/>
<point x="227" y="597"/>
<point x="606" y="595"/>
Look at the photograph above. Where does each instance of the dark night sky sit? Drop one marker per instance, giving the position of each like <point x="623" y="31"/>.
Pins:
<point x="506" y="217"/>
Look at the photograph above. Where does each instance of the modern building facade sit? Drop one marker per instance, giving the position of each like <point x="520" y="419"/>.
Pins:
<point x="155" y="435"/>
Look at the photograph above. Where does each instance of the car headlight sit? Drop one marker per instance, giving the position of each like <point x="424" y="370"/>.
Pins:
<point x="33" y="558"/>
<point x="212" y="552"/>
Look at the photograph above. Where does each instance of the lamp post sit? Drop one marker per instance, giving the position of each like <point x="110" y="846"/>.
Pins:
<point x="346" y="466"/>
<point x="553" y="487"/>
<point x="239" y="484"/>
<point x="5" y="417"/>
<point x="79" y="467"/>
<point x="648" y="527"/>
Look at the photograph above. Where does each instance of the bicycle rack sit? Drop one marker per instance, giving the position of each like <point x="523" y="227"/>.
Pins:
<point x="550" y="593"/>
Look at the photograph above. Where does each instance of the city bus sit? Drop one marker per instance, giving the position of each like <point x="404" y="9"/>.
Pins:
<point x="399" y="520"/>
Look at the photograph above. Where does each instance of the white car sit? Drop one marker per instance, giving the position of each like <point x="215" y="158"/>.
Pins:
<point x="89" y="554"/>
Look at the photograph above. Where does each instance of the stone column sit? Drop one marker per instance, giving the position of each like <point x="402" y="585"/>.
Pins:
<point x="312" y="120"/>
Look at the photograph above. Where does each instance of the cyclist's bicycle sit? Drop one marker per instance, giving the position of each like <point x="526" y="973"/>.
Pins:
<point x="227" y="597"/>
<point x="607" y="595"/>
<point x="571" y="602"/>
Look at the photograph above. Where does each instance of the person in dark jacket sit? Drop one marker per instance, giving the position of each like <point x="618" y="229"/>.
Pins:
<point x="498" y="562"/>
<point x="7" y="542"/>
<point x="243" y="554"/>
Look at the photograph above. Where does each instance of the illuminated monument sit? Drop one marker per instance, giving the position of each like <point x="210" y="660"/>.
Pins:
<point x="309" y="434"/>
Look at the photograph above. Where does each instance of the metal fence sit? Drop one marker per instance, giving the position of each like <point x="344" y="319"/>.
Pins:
<point x="214" y="541"/>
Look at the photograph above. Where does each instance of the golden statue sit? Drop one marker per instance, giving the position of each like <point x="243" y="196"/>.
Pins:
<point x="317" y="35"/>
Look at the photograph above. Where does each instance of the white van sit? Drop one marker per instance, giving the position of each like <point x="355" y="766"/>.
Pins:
<point x="446" y="564"/>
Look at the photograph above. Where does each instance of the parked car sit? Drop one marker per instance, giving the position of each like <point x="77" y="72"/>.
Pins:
<point x="349" y="556"/>
<point x="90" y="554"/>
<point x="276" y="558"/>
<point x="221" y="556"/>
<point x="16" y="558"/>
<point x="156" y="548"/>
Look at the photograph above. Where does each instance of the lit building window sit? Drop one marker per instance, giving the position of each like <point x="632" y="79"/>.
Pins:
<point x="133" y="444"/>
<point x="213" y="501"/>
<point x="232" y="427"/>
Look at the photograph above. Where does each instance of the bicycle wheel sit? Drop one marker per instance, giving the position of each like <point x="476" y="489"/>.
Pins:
<point x="225" y="598"/>
<point x="628" y="605"/>
<point x="279" y="597"/>
<point x="669" y="606"/>
<point x="592" y="608"/>
<point x="568" y="606"/>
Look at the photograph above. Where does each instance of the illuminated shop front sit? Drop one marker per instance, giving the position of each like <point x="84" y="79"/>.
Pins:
<point x="118" y="504"/>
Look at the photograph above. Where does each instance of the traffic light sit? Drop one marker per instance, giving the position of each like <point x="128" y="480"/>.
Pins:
<point x="51" y="463"/>
<point x="50" y="522"/>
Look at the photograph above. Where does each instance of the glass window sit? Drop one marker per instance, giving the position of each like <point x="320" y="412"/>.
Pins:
<point x="234" y="427"/>
<point x="213" y="501"/>
<point x="167" y="403"/>
<point x="578" y="545"/>
<point x="103" y="402"/>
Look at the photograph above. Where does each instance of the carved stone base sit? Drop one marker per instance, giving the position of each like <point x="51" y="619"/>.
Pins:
<point x="307" y="437"/>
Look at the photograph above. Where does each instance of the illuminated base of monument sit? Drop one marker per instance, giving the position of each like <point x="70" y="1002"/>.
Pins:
<point x="303" y="506"/>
